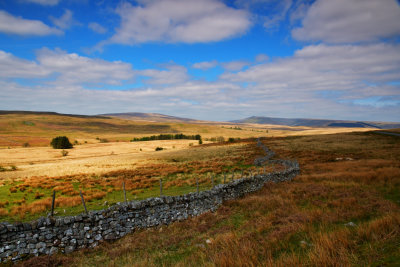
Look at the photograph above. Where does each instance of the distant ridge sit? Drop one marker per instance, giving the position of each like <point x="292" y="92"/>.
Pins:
<point x="318" y="123"/>
<point x="156" y="117"/>
<point x="23" y="112"/>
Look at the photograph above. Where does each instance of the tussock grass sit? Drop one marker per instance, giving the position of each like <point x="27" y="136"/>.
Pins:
<point x="300" y="223"/>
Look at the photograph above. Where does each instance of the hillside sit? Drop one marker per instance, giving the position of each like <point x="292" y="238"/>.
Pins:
<point x="318" y="123"/>
<point x="343" y="210"/>
<point x="18" y="128"/>
<point x="154" y="117"/>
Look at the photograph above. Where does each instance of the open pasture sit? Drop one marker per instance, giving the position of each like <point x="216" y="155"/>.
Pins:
<point x="36" y="129"/>
<point x="99" y="170"/>
<point x="343" y="210"/>
<point x="82" y="159"/>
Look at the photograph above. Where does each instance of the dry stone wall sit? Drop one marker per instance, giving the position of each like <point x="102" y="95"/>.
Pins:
<point x="66" y="234"/>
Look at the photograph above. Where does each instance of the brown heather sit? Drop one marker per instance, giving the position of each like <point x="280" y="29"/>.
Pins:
<point x="345" y="178"/>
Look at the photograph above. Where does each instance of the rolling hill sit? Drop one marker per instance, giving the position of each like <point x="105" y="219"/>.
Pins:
<point x="318" y="123"/>
<point x="153" y="117"/>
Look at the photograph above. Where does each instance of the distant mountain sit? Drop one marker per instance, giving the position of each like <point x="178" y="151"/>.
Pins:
<point x="155" y="117"/>
<point x="318" y="123"/>
<point x="23" y="112"/>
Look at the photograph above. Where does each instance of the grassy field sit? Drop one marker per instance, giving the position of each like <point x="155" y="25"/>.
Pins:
<point x="343" y="210"/>
<point x="17" y="130"/>
<point x="99" y="173"/>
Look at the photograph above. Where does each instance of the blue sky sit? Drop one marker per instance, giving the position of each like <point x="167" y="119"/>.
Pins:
<point x="203" y="59"/>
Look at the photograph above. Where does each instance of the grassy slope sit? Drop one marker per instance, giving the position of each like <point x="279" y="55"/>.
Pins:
<point x="29" y="198"/>
<point x="345" y="178"/>
<point x="39" y="129"/>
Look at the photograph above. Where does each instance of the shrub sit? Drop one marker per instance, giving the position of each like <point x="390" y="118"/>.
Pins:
<point x="61" y="142"/>
<point x="64" y="153"/>
<point x="159" y="148"/>
<point x="200" y="142"/>
<point x="26" y="144"/>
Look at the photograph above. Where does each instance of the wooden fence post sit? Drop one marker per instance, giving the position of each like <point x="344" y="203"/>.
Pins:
<point x="52" y="203"/>
<point x="123" y="184"/>
<point x="83" y="201"/>
<point x="161" y="188"/>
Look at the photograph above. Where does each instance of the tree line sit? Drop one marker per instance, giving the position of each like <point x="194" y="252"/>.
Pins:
<point x="167" y="137"/>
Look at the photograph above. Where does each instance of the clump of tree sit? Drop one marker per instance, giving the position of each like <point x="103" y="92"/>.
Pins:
<point x="61" y="142"/>
<point x="167" y="137"/>
<point x="218" y="139"/>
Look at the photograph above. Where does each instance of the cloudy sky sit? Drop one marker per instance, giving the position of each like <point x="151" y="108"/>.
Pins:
<point x="203" y="59"/>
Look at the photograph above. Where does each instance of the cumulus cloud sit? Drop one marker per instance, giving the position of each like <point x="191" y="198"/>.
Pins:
<point x="66" y="21"/>
<point x="205" y="65"/>
<point x="14" y="67"/>
<point x="341" y="82"/>
<point x="235" y="65"/>
<point x="43" y="2"/>
<point x="270" y="13"/>
<point x="74" y="69"/>
<point x="175" y="21"/>
<point x="172" y="74"/>
<point x="347" y="21"/>
<point x="10" y="24"/>
<point x="94" y="26"/>
<point x="262" y="57"/>
<point x="343" y="72"/>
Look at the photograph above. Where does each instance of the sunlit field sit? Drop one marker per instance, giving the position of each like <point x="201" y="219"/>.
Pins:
<point x="34" y="130"/>
<point x="99" y="171"/>
<point x="343" y="210"/>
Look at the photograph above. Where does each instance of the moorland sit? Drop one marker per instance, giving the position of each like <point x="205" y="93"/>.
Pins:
<point x="343" y="209"/>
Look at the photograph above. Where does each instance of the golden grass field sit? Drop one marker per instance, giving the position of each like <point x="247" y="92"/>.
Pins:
<point x="83" y="159"/>
<point x="39" y="129"/>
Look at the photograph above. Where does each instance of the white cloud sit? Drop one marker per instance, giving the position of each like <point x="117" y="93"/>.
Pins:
<point x="174" y="21"/>
<point x="43" y="2"/>
<point x="66" y="21"/>
<point x="14" y="67"/>
<point x="205" y="65"/>
<point x="270" y="13"/>
<point x="319" y="81"/>
<point x="94" y="26"/>
<point x="235" y="65"/>
<point x="262" y="57"/>
<point x="350" y="72"/>
<point x="75" y="69"/>
<point x="173" y="74"/>
<point x="20" y="26"/>
<point x="346" y="21"/>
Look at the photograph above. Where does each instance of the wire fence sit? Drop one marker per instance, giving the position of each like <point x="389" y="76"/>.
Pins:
<point x="190" y="183"/>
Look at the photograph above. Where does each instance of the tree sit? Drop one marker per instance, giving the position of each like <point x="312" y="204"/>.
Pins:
<point x="61" y="142"/>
